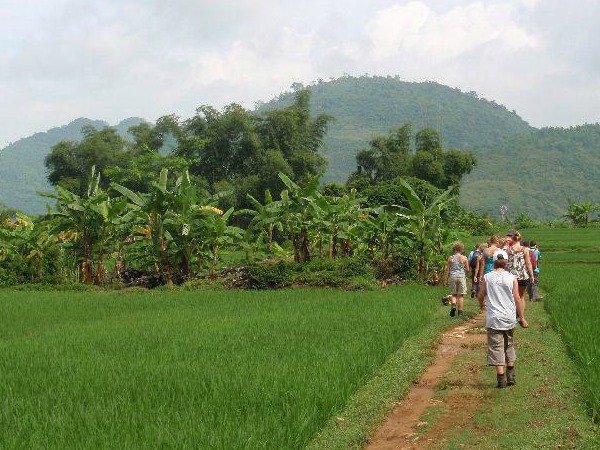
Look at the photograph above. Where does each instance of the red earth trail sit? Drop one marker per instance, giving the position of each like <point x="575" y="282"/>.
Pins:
<point x="400" y="430"/>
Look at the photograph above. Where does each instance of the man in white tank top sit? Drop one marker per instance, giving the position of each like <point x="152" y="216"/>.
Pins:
<point x="499" y="297"/>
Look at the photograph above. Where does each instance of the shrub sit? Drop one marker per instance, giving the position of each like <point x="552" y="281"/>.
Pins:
<point x="347" y="273"/>
<point x="269" y="276"/>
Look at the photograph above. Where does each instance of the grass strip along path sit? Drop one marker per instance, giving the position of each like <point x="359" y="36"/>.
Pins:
<point x="546" y="409"/>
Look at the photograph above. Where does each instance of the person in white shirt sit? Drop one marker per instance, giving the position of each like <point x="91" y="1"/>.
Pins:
<point x="499" y="297"/>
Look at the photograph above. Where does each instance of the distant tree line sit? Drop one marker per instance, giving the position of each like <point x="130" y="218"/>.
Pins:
<point x="238" y="152"/>
<point x="231" y="150"/>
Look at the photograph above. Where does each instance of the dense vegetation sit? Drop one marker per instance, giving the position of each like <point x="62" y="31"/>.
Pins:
<point x="175" y="232"/>
<point x="548" y="167"/>
<point x="366" y="107"/>
<point x="402" y="154"/>
<point x="538" y="173"/>
<point x="362" y="108"/>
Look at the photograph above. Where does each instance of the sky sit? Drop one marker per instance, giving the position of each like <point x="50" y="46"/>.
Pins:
<point x="114" y="59"/>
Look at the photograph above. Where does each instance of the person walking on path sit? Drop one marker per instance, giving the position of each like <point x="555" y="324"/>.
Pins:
<point x="535" y="256"/>
<point x="499" y="298"/>
<point x="474" y="257"/>
<point x="456" y="277"/>
<point x="519" y="264"/>
<point x="486" y="263"/>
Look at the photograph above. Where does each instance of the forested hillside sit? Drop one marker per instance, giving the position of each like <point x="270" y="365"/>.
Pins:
<point x="22" y="171"/>
<point x="531" y="171"/>
<point x="366" y="107"/>
<point x="536" y="173"/>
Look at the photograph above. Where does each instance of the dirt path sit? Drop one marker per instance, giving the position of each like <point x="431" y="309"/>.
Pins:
<point x="406" y="427"/>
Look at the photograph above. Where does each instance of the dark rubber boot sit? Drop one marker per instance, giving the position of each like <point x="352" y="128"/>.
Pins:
<point x="501" y="381"/>
<point x="510" y="377"/>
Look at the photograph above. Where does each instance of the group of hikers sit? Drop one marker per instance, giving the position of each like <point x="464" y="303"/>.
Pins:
<point x="502" y="270"/>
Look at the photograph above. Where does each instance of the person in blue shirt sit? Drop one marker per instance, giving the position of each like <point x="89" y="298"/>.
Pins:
<point x="532" y="289"/>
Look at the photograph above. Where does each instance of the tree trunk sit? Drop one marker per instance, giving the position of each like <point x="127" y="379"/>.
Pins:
<point x="305" y="251"/>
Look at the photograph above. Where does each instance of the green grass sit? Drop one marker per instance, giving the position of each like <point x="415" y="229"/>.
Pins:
<point x="545" y="409"/>
<point x="571" y="257"/>
<point x="219" y="370"/>
<point x="366" y="409"/>
<point x="554" y="239"/>
<point x="561" y="239"/>
<point x="282" y="369"/>
<point x="572" y="301"/>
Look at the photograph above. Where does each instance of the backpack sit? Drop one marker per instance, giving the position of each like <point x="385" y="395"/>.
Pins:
<point x="473" y="258"/>
<point x="533" y="259"/>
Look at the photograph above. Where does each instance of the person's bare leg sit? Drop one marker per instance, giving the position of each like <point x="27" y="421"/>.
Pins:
<point x="522" y="295"/>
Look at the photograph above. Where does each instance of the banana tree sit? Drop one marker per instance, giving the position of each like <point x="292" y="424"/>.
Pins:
<point x="580" y="213"/>
<point x="381" y="230"/>
<point x="183" y="222"/>
<point x="22" y="247"/>
<point x="218" y="234"/>
<point x="424" y="224"/>
<point x="265" y="218"/>
<point x="337" y="220"/>
<point x="90" y="220"/>
<point x="198" y="229"/>
<point x="109" y="212"/>
<point x="149" y="211"/>
<point x="298" y="208"/>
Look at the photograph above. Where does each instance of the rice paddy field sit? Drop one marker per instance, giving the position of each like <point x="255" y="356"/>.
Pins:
<point x="571" y="281"/>
<point x="241" y="370"/>
<point x="218" y="370"/>
<point x="583" y="240"/>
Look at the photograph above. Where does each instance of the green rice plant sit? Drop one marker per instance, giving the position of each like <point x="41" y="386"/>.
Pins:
<point x="572" y="301"/>
<point x="572" y="257"/>
<point x="180" y="369"/>
<point x="560" y="239"/>
<point x="553" y="239"/>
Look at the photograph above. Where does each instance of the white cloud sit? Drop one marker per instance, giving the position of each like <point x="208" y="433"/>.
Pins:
<point x="415" y="30"/>
<point x="111" y="59"/>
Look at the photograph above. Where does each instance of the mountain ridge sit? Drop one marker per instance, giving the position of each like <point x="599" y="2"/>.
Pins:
<point x="530" y="170"/>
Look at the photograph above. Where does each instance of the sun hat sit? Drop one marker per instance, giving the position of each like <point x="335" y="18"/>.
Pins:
<point x="500" y="254"/>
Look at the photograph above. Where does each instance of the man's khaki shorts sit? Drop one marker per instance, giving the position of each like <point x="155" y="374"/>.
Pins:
<point x="458" y="286"/>
<point x="500" y="347"/>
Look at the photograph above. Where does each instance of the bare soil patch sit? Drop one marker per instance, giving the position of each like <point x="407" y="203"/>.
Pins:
<point x="405" y="427"/>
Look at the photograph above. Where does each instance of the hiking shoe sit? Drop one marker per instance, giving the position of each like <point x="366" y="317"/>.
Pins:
<point x="510" y="378"/>
<point x="452" y="311"/>
<point x="460" y="313"/>
<point x="501" y="381"/>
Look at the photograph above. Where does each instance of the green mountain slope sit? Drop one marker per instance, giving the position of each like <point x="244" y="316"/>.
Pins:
<point x="369" y="106"/>
<point x="532" y="171"/>
<point x="536" y="173"/>
<point x="22" y="171"/>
